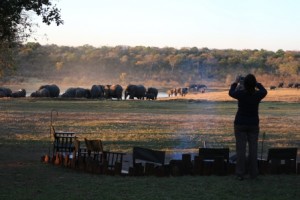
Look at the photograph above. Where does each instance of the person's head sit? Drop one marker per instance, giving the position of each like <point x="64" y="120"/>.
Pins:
<point x="250" y="83"/>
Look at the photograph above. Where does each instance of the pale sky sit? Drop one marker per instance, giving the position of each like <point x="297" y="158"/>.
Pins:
<point x="215" y="24"/>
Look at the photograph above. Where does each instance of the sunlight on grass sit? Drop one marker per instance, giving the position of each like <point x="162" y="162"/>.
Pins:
<point x="174" y="126"/>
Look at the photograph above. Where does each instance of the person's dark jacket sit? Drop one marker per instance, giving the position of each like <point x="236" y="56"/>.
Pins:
<point x="247" y="113"/>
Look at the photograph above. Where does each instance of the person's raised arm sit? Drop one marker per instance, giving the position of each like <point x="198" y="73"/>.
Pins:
<point x="232" y="90"/>
<point x="261" y="90"/>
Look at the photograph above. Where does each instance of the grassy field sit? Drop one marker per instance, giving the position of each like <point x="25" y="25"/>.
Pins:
<point x="176" y="126"/>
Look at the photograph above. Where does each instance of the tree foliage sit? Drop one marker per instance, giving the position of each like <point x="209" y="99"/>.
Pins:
<point x="16" y="25"/>
<point x="152" y="63"/>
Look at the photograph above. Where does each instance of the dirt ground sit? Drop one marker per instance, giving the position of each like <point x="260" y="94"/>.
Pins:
<point x="282" y="94"/>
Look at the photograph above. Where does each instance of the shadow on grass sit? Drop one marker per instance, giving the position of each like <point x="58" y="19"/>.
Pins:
<point x="23" y="176"/>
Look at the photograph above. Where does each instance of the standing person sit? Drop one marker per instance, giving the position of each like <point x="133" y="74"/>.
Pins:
<point x="246" y="123"/>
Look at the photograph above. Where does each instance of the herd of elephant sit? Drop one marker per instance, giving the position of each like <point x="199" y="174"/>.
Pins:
<point x="96" y="91"/>
<point x="182" y="91"/>
<point x="178" y="91"/>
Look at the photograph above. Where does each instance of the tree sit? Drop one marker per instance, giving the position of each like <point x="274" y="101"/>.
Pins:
<point x="16" y="25"/>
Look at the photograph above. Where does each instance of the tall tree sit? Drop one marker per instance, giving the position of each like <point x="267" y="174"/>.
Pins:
<point x="16" y="25"/>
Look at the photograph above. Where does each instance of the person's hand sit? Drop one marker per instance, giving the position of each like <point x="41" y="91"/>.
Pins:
<point x="237" y="79"/>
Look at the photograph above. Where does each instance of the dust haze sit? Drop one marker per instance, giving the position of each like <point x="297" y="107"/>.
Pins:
<point x="76" y="76"/>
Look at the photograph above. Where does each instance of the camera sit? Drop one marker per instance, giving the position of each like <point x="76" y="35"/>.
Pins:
<point x="241" y="79"/>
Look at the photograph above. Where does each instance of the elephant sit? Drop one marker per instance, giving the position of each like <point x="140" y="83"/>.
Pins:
<point x="2" y="94"/>
<point x="46" y="91"/>
<point x="97" y="91"/>
<point x="82" y="93"/>
<point x="69" y="93"/>
<point x="41" y="93"/>
<point x="150" y="96"/>
<point x="193" y="87"/>
<point x="201" y="87"/>
<point x="290" y="85"/>
<point x="138" y="91"/>
<point x="175" y="92"/>
<point x="280" y="85"/>
<point x="53" y="90"/>
<point x="19" y="93"/>
<point x="170" y="92"/>
<point x="113" y="91"/>
<point x="197" y="87"/>
<point x="5" y="92"/>
<point x="152" y="90"/>
<point x="182" y="91"/>
<point x="76" y="93"/>
<point x="272" y="87"/>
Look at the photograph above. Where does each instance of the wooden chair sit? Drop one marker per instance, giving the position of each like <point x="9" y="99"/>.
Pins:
<point x="94" y="149"/>
<point x="109" y="162"/>
<point x="114" y="161"/>
<point x="63" y="142"/>
<point x="282" y="160"/>
<point x="214" y="160"/>
<point x="78" y="156"/>
<point x="94" y="160"/>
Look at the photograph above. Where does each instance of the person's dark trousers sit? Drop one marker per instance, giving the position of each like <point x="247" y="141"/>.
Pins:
<point x="244" y="135"/>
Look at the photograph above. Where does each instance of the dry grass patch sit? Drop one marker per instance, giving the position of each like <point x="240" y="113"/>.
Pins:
<point x="221" y="94"/>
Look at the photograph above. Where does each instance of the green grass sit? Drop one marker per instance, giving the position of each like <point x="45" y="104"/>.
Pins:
<point x="167" y="125"/>
<point x="175" y="126"/>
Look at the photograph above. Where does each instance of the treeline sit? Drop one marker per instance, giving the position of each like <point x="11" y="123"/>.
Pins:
<point x="125" y="64"/>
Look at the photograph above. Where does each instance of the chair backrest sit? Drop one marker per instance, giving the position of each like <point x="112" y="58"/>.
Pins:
<point x="63" y="141"/>
<point x="88" y="144"/>
<point x="112" y="158"/>
<point x="76" y="145"/>
<point x="76" y="151"/>
<point x="94" y="145"/>
<point x="149" y="155"/>
<point x="214" y="153"/>
<point x="282" y="154"/>
<point x="112" y="161"/>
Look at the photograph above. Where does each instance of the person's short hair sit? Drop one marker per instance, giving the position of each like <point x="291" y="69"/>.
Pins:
<point x="250" y="83"/>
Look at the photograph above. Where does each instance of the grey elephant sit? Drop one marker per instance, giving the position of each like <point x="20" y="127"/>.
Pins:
<point x="2" y="94"/>
<point x="150" y="96"/>
<point x="19" y="93"/>
<point x="193" y="87"/>
<point x="182" y="91"/>
<point x="152" y="93"/>
<point x="82" y="93"/>
<point x="201" y="87"/>
<point x="69" y="93"/>
<point x="41" y="93"/>
<point x="280" y="85"/>
<point x="76" y="93"/>
<point x="53" y="90"/>
<point x="138" y="91"/>
<point x="5" y="92"/>
<point x="113" y="91"/>
<point x="97" y="91"/>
